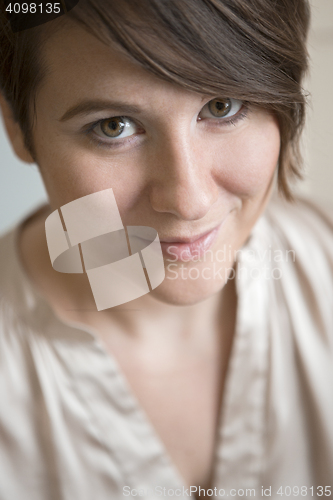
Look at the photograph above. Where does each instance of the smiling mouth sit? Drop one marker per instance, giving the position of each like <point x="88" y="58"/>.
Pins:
<point x="187" y="250"/>
<point x="187" y="240"/>
<point x="190" y="248"/>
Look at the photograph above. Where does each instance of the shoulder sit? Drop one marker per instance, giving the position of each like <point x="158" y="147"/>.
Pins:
<point x="11" y="285"/>
<point x="11" y="278"/>
<point x="304" y="227"/>
<point x="13" y="326"/>
<point x="301" y="237"/>
<point x="7" y="264"/>
<point x="16" y="289"/>
<point x="300" y="327"/>
<point x="302" y="220"/>
<point x="17" y="301"/>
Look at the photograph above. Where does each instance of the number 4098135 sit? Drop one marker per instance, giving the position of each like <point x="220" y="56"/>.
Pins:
<point x="304" y="491"/>
<point x="33" y="8"/>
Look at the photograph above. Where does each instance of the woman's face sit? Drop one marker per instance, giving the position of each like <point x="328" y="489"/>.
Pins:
<point x="178" y="161"/>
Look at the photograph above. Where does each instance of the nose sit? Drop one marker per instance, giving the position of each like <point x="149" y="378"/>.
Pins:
<point x="181" y="178"/>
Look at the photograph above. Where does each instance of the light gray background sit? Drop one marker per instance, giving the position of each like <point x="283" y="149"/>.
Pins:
<point x="21" y="188"/>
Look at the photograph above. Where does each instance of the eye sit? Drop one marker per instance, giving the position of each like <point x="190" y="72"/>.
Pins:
<point x="221" y="107"/>
<point x="115" y="127"/>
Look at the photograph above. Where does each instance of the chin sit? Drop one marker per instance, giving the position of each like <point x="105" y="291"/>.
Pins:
<point x="186" y="292"/>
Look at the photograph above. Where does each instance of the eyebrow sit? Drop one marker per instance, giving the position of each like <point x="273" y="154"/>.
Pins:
<point x="90" y="106"/>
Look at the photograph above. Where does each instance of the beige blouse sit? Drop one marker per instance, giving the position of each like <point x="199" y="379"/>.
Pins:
<point x="71" y="429"/>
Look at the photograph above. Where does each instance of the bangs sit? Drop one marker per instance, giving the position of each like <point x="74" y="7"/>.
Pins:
<point x="204" y="46"/>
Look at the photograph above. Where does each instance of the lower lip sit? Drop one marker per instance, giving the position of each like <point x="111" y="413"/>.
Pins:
<point x="174" y="251"/>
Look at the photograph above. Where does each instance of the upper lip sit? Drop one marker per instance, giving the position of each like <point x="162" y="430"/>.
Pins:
<point x="191" y="239"/>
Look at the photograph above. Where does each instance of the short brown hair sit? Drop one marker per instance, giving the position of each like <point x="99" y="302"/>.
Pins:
<point x="252" y="50"/>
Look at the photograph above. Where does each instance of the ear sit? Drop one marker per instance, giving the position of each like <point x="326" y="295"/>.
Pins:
<point x="14" y="132"/>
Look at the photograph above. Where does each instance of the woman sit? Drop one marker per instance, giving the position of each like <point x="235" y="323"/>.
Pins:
<point x="219" y="381"/>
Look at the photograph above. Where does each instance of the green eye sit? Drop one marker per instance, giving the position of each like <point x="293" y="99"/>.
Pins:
<point x="112" y="127"/>
<point x="220" y="107"/>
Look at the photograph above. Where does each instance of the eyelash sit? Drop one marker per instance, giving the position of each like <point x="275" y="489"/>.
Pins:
<point x="93" y="138"/>
<point x="242" y="113"/>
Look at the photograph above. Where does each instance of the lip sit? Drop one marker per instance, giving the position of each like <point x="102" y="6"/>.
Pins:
<point x="187" y="240"/>
<point x="185" y="249"/>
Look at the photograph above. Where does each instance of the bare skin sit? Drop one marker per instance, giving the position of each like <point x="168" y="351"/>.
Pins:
<point x="179" y="172"/>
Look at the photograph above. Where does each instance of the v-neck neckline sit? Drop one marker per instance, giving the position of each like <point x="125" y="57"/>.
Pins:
<point x="141" y="425"/>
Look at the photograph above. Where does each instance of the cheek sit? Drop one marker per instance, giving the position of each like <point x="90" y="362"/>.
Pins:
<point x="71" y="172"/>
<point x="251" y="159"/>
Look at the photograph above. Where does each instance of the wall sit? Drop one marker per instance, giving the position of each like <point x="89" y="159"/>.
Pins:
<point x="21" y="187"/>
<point x="318" y="138"/>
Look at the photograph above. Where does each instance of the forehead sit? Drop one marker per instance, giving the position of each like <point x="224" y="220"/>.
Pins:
<point x="77" y="64"/>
